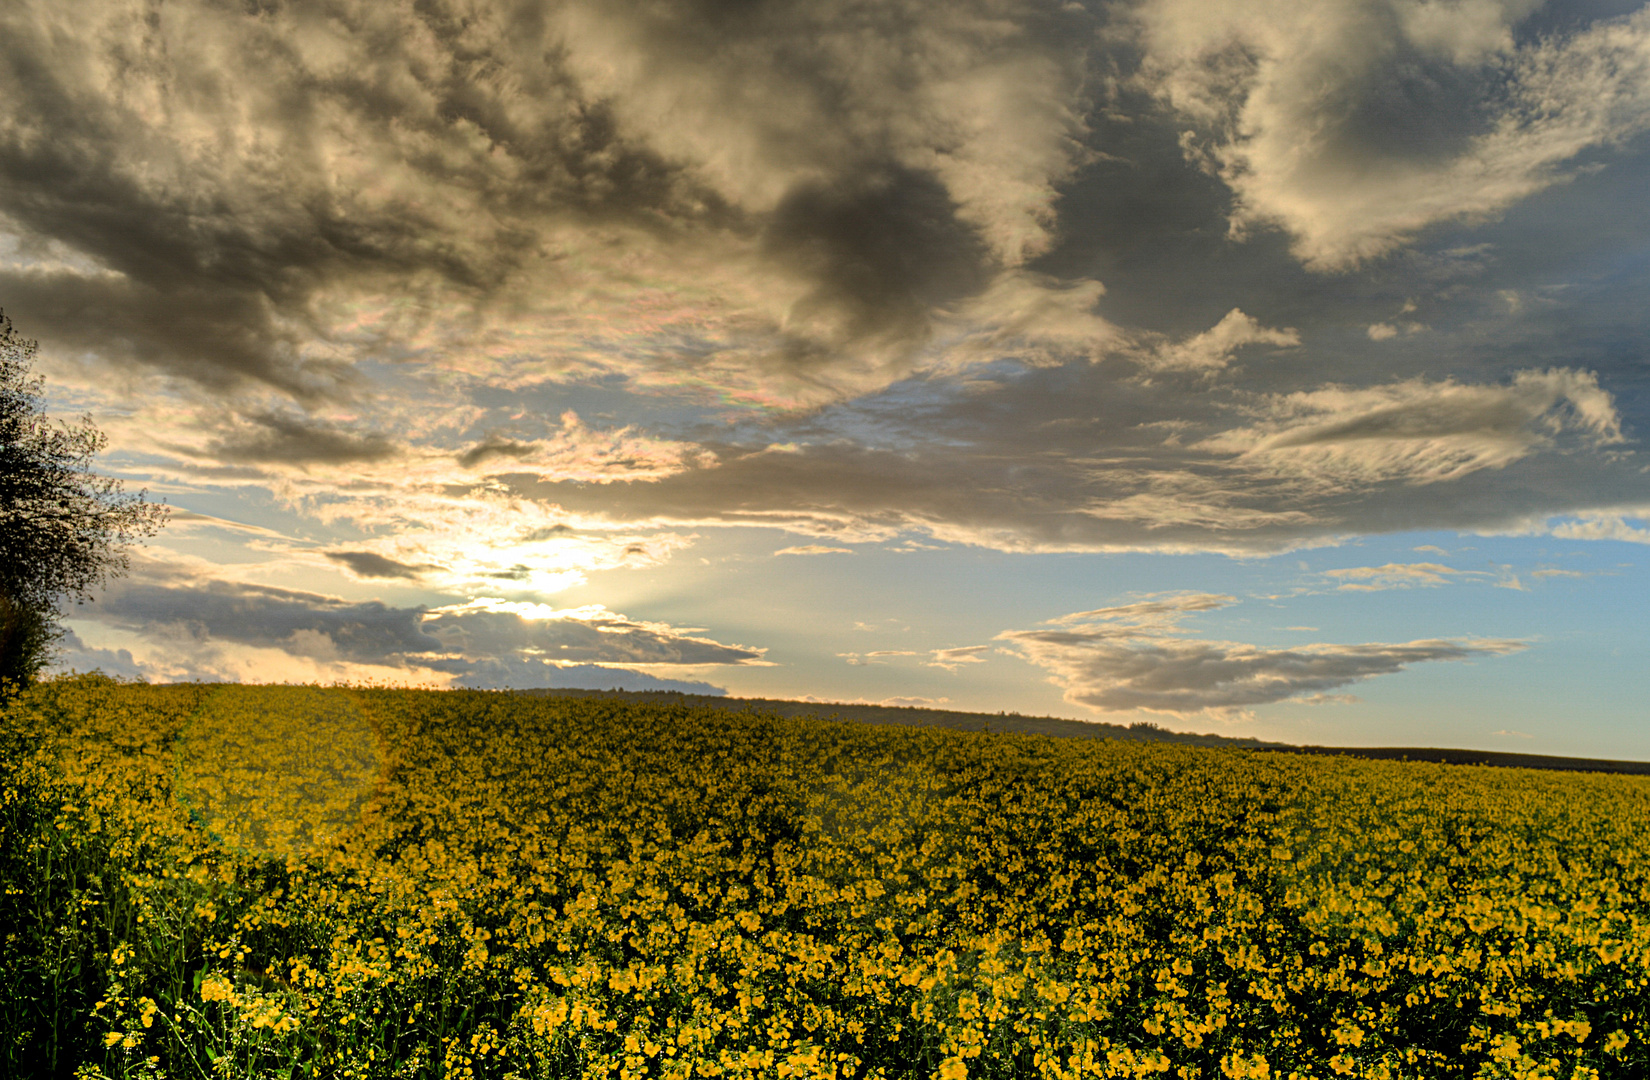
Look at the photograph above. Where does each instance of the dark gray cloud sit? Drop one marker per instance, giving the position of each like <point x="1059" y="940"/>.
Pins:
<point x="290" y="439"/>
<point x="1186" y="677"/>
<point x="242" y="181"/>
<point x="1131" y="658"/>
<point x="489" y="449"/>
<point x="1092" y="458"/>
<point x="370" y="564"/>
<point x="480" y="643"/>
<point x="1168" y="274"/>
<point x="497" y="629"/>
<point x="265" y="616"/>
<point x="883" y="249"/>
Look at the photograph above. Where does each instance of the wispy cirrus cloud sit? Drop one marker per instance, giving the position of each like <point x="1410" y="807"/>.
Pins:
<point x="953" y="658"/>
<point x="1422" y="432"/>
<point x="1391" y="576"/>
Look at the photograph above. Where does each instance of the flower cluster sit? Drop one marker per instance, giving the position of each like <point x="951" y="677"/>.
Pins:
<point x="385" y="883"/>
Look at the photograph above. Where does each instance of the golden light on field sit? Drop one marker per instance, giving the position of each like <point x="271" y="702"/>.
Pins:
<point x="553" y="888"/>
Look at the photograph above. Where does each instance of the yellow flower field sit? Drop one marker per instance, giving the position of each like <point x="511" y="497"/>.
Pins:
<point x="225" y="881"/>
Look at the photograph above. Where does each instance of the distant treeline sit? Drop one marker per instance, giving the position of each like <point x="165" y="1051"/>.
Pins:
<point x="911" y="716"/>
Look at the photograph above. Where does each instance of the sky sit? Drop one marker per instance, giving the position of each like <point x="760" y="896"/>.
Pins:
<point x="1271" y="369"/>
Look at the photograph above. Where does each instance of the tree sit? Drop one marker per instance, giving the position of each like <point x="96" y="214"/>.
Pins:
<point x="63" y="528"/>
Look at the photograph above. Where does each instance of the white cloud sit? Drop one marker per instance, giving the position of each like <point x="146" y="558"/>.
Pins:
<point x="951" y="659"/>
<point x="1423" y="432"/>
<point x="1213" y="348"/>
<point x="1382" y="331"/>
<point x="1605" y="526"/>
<point x="1391" y="576"/>
<point x="1354" y="124"/>
<point x="1133" y="657"/>
<point x="814" y="549"/>
<point x="876" y="656"/>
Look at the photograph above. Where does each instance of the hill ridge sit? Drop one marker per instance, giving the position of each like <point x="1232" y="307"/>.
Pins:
<point x="1064" y="727"/>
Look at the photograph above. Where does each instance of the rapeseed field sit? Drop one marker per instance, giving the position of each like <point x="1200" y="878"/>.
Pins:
<point x="228" y="881"/>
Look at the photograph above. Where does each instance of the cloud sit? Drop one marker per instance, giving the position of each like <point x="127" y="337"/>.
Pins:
<point x="814" y="549"/>
<point x="75" y="655"/>
<point x="1605" y="526"/>
<point x="1213" y="349"/>
<point x="778" y="205"/>
<point x="1391" y="576"/>
<point x="368" y="564"/>
<point x="1424" y="432"/>
<point x="1150" y="613"/>
<point x="1090" y="458"/>
<point x="1132" y="657"/>
<point x="855" y="659"/>
<point x="289" y="439"/>
<point x="1355" y="124"/>
<point x="488" y="641"/>
<point x="951" y="659"/>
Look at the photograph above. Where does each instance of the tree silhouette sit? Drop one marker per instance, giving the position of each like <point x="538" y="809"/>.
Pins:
<point x="63" y="528"/>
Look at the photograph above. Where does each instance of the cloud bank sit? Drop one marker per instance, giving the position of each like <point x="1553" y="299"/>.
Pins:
<point x="1133" y="657"/>
<point x="489" y="642"/>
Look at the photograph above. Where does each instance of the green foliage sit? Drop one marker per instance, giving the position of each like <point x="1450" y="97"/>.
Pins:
<point x="28" y="636"/>
<point x="63" y="528"/>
